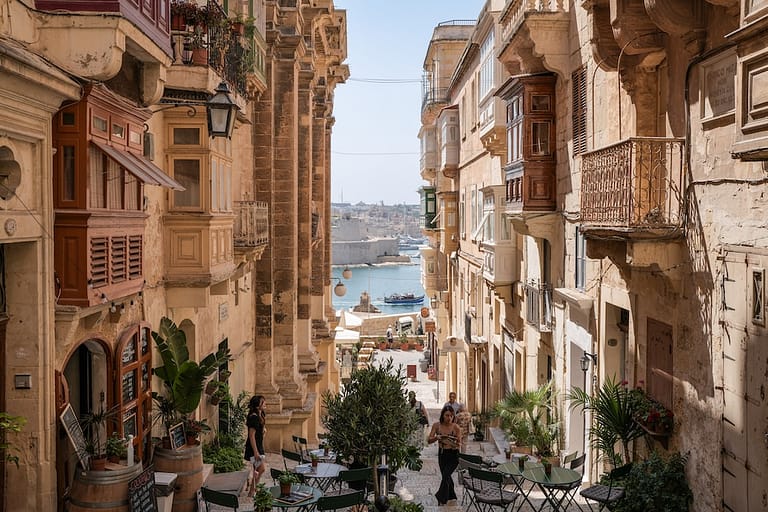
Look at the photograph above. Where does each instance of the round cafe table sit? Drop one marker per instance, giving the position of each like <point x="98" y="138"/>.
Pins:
<point x="302" y="497"/>
<point x="556" y="487"/>
<point x="321" y="476"/>
<point x="512" y="469"/>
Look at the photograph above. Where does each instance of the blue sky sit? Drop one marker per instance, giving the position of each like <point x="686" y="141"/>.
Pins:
<point x="375" y="145"/>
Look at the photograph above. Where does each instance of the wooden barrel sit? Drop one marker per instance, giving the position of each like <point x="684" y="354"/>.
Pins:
<point x="102" y="491"/>
<point x="187" y="463"/>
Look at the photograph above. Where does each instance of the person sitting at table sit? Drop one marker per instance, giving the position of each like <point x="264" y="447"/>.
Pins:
<point x="254" y="444"/>
<point x="448" y="437"/>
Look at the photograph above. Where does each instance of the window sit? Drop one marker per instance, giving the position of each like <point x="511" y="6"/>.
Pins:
<point x="487" y="61"/>
<point x="579" y="110"/>
<point x="758" y="296"/>
<point x="540" y="138"/>
<point x="186" y="136"/>
<point x="581" y="261"/>
<point x="187" y="173"/>
<point x="68" y="173"/>
<point x="514" y="129"/>
<point x="462" y="216"/>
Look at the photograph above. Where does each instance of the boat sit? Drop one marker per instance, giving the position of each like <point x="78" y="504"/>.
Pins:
<point x="403" y="298"/>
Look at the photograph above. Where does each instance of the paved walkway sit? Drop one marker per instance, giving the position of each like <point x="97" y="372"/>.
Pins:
<point x="421" y="486"/>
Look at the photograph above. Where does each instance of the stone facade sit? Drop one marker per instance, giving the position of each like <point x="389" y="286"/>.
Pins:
<point x="652" y="254"/>
<point x="195" y="209"/>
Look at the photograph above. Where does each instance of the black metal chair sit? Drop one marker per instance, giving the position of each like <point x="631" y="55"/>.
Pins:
<point x="474" y="459"/>
<point x="607" y="495"/>
<point x="467" y="483"/>
<point x="489" y="490"/>
<point x="576" y="464"/>
<point x="292" y="456"/>
<point x="358" y="479"/>
<point x="216" y="501"/>
<point x="301" y="447"/>
<point x="341" y="501"/>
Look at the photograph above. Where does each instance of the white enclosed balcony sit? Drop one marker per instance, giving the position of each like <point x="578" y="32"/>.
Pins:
<point x="428" y="138"/>
<point x="448" y="122"/>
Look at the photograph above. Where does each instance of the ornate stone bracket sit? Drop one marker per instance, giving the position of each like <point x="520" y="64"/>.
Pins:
<point x="540" y="44"/>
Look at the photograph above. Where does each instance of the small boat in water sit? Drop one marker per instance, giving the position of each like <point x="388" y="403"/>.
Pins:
<point x="404" y="298"/>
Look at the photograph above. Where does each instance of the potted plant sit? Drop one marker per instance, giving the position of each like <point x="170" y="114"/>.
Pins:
<point x="614" y="408"/>
<point x="116" y="448"/>
<point x="183" y="13"/>
<point x="193" y="429"/>
<point x="530" y="411"/>
<point x="361" y="442"/>
<point x="262" y="498"/>
<point x="94" y="425"/>
<point x="221" y="393"/>
<point x="313" y="459"/>
<point x="182" y="378"/>
<point x="286" y="479"/>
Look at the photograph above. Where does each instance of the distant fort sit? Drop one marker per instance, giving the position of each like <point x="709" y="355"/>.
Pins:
<point x="351" y="246"/>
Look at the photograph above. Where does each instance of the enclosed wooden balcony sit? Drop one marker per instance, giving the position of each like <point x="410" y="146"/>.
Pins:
<point x="500" y="262"/>
<point x="633" y="189"/>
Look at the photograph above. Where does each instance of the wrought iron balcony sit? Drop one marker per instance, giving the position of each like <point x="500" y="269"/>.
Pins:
<point x="251" y="223"/>
<point x="434" y="96"/>
<point x="634" y="188"/>
<point x="538" y="305"/>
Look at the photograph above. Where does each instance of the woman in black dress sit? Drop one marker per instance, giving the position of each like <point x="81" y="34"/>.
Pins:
<point x="448" y="435"/>
<point x="254" y="444"/>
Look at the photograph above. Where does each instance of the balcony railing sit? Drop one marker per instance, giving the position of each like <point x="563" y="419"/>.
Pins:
<point x="538" y="306"/>
<point x="251" y="223"/>
<point x="635" y="184"/>
<point x="433" y="96"/>
<point x="515" y="11"/>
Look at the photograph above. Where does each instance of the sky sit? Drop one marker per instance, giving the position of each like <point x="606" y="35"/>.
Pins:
<point x="375" y="144"/>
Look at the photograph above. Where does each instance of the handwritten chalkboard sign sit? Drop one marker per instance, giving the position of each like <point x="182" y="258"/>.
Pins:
<point x="141" y="493"/>
<point x="75" y="433"/>
<point x="177" y="435"/>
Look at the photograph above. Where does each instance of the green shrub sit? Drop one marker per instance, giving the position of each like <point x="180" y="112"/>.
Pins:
<point x="656" y="485"/>
<point x="224" y="459"/>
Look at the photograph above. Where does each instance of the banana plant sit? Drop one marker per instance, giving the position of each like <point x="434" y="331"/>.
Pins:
<point x="183" y="378"/>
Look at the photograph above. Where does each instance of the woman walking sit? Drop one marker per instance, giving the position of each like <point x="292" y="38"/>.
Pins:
<point x="254" y="444"/>
<point x="448" y="437"/>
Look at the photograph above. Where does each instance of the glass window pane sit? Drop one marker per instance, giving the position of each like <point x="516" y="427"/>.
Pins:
<point x="540" y="138"/>
<point x="186" y="136"/>
<point x="187" y="173"/>
<point x="68" y="174"/>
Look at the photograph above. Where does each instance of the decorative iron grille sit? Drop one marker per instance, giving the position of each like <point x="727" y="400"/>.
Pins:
<point x="251" y="223"/>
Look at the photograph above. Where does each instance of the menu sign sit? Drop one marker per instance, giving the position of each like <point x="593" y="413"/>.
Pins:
<point x="141" y="492"/>
<point x="75" y="433"/>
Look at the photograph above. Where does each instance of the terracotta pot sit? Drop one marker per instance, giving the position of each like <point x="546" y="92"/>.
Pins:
<point x="314" y="463"/>
<point x="98" y="463"/>
<point x="285" y="489"/>
<point x="200" y="57"/>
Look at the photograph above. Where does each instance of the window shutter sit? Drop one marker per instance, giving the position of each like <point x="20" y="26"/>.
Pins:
<point x="579" y="110"/>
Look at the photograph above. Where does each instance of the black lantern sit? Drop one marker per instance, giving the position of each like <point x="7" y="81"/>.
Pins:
<point x="584" y="361"/>
<point x="186" y="52"/>
<point x="221" y="112"/>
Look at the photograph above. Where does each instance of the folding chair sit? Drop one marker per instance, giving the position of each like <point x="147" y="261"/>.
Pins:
<point x="607" y="495"/>
<point x="474" y="459"/>
<point x="292" y="456"/>
<point x="466" y="482"/>
<point x="216" y="500"/>
<point x="300" y="445"/>
<point x="569" y="457"/>
<point x="576" y="464"/>
<point x="356" y="480"/>
<point x="341" y="501"/>
<point x="491" y="492"/>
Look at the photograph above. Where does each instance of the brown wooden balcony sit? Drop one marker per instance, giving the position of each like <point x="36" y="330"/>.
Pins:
<point x="634" y="188"/>
<point x="251" y="224"/>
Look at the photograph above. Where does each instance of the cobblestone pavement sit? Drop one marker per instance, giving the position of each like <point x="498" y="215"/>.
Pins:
<point x="421" y="486"/>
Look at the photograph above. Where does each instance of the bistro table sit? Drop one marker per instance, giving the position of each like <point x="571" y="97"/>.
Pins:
<point x="558" y="486"/>
<point x="321" y="456"/>
<point x="512" y="469"/>
<point x="501" y="458"/>
<point x="321" y="476"/>
<point x="297" y="492"/>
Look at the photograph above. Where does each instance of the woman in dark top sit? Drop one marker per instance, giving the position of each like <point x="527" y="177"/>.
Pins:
<point x="254" y="444"/>
<point x="448" y="435"/>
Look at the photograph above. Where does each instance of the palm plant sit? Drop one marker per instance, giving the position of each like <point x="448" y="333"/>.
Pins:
<point x="613" y="410"/>
<point x="526" y="415"/>
<point x="182" y="378"/>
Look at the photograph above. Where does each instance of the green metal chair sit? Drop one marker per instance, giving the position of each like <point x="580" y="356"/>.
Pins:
<point x="490" y="492"/>
<point x="300" y="446"/>
<point x="342" y="501"/>
<point x="607" y="495"/>
<point x="216" y="501"/>
<point x="359" y="479"/>
<point x="292" y="456"/>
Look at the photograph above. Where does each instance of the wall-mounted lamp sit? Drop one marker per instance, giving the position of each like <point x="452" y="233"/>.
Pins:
<point x="346" y="273"/>
<point x="220" y="109"/>
<point x="103" y="298"/>
<point x="113" y="308"/>
<point x="585" y="359"/>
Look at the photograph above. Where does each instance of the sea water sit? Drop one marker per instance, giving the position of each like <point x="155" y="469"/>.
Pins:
<point x="380" y="281"/>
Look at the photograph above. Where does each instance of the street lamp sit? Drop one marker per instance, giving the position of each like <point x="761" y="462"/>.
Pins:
<point x="584" y="361"/>
<point x="221" y="112"/>
<point x="346" y="273"/>
<point x="340" y="290"/>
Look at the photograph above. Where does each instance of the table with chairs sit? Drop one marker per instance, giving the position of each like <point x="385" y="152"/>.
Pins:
<point x="302" y="503"/>
<point x="558" y="486"/>
<point x="321" y="476"/>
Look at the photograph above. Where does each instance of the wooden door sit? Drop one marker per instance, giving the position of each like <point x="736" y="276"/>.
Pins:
<point x="745" y="366"/>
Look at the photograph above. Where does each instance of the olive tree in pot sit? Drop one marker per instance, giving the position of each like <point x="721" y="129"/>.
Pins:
<point x="370" y="417"/>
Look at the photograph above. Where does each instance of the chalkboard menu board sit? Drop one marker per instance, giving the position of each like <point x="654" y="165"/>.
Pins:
<point x="177" y="435"/>
<point x="75" y="433"/>
<point x="141" y="492"/>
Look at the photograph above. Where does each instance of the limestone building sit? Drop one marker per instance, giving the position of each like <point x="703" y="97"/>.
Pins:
<point x="120" y="208"/>
<point x="632" y="173"/>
